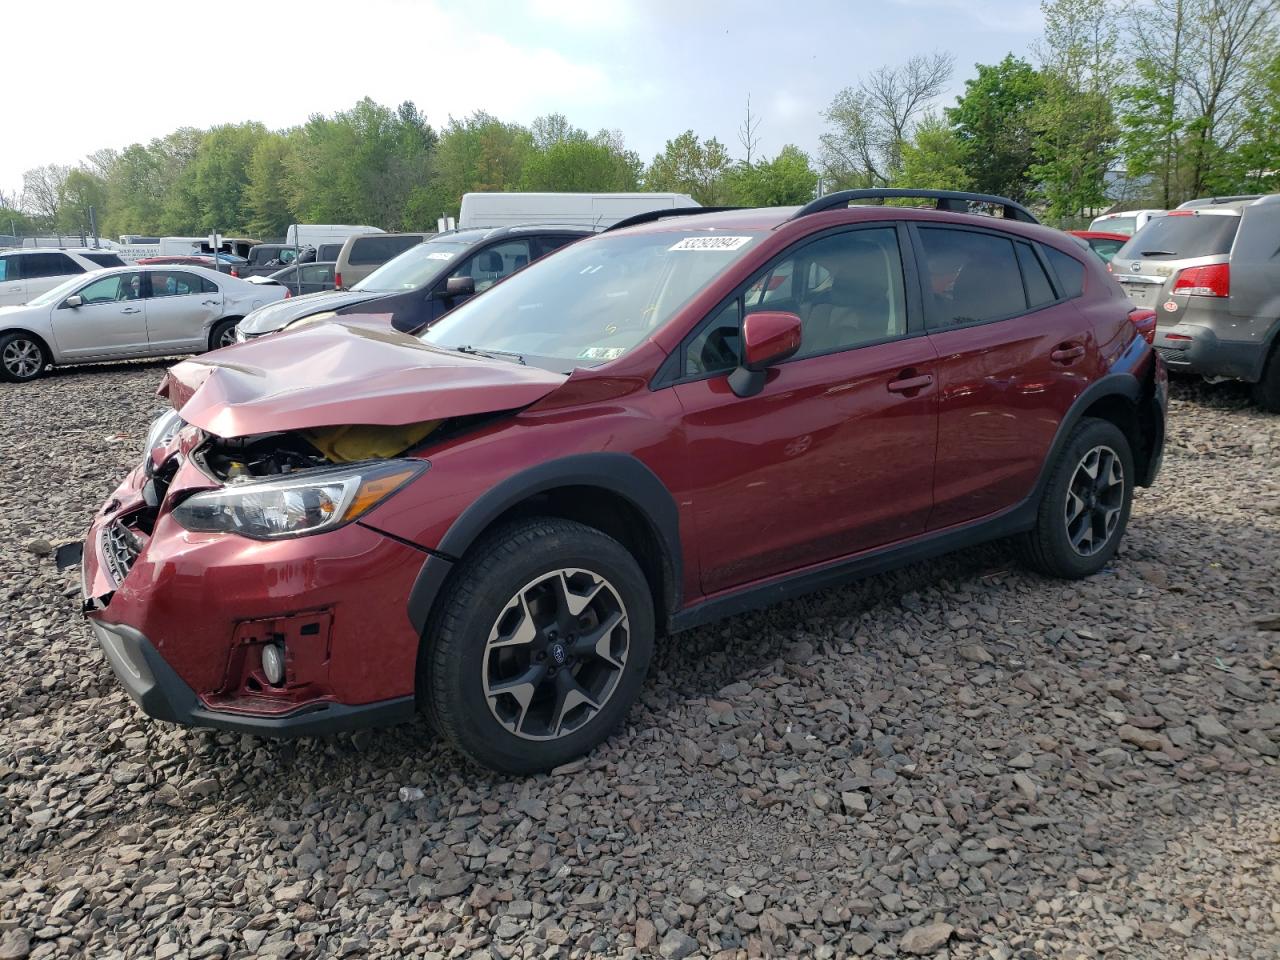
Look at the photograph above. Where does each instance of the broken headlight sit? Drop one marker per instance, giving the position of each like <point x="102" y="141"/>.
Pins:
<point x="297" y="504"/>
<point x="163" y="429"/>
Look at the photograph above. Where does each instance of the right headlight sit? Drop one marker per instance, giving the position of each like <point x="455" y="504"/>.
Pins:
<point x="296" y="505"/>
<point x="163" y="429"/>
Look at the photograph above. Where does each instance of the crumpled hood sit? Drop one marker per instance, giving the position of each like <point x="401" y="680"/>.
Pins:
<point x="275" y="316"/>
<point x="337" y="373"/>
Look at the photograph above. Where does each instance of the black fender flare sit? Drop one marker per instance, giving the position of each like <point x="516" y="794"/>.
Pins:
<point x="617" y="473"/>
<point x="1115" y="384"/>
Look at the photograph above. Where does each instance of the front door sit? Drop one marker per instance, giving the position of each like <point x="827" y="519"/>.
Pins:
<point x="111" y="319"/>
<point x="182" y="308"/>
<point x="835" y="455"/>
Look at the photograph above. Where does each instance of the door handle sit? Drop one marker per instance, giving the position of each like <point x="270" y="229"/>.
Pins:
<point x="130" y="310"/>
<point x="1067" y="352"/>
<point x="907" y="384"/>
<point x="209" y="303"/>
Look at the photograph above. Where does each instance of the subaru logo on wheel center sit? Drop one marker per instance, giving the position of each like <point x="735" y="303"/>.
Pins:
<point x="558" y="653"/>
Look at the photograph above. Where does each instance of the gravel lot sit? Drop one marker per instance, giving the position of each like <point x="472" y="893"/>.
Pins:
<point x="956" y="760"/>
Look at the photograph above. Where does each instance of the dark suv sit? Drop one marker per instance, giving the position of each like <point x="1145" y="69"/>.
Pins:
<point x="676" y="420"/>
<point x="424" y="282"/>
<point x="1211" y="271"/>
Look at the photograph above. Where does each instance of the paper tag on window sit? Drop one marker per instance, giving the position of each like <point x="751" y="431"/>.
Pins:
<point x="602" y="353"/>
<point x="711" y="243"/>
<point x="439" y="255"/>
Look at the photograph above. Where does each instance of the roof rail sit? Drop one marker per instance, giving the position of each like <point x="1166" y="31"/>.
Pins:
<point x="649" y="216"/>
<point x="951" y="200"/>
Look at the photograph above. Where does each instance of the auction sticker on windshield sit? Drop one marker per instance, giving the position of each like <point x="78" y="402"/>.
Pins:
<point x="711" y="243"/>
<point x="602" y="353"/>
<point x="439" y="255"/>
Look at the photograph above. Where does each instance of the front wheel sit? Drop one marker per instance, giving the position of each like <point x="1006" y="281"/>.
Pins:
<point x="1085" y="506"/>
<point x="540" y="645"/>
<point x="22" y="357"/>
<point x="223" y="333"/>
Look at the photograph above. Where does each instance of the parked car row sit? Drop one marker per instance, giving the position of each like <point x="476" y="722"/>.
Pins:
<point x="660" y="424"/>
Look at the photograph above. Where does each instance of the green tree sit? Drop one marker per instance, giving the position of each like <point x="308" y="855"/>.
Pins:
<point x="995" y="121"/>
<point x="267" y="194"/>
<point x="935" y="158"/>
<point x="477" y="153"/>
<point x="789" y="178"/>
<point x="81" y="192"/>
<point x="576" y="165"/>
<point x="692" y="166"/>
<point x="217" y="175"/>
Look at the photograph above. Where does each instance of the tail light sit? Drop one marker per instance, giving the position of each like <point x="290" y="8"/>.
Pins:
<point x="288" y="292"/>
<point x="337" y="280"/>
<point x="1145" y="321"/>
<point x="1211" y="281"/>
<point x="235" y="272"/>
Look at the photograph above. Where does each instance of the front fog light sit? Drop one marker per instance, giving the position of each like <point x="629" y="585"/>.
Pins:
<point x="273" y="664"/>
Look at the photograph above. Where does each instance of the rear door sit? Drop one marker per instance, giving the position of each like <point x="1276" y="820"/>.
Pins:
<point x="110" y="321"/>
<point x="181" y="309"/>
<point x="13" y="289"/>
<point x="313" y="277"/>
<point x="1013" y="353"/>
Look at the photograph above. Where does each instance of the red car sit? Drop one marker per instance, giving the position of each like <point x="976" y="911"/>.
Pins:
<point x="1105" y="245"/>
<point x="674" y="421"/>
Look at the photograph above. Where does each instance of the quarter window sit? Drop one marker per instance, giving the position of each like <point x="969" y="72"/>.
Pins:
<point x="313" y="273"/>
<point x="1070" y="272"/>
<point x="970" y="277"/>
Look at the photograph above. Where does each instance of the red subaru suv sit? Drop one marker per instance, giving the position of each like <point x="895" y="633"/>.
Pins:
<point x="676" y="420"/>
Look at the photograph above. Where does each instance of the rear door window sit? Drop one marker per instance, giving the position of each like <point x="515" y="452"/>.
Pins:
<point x="1039" y="290"/>
<point x="1179" y="236"/>
<point x="36" y="265"/>
<point x="545" y="245"/>
<point x="313" y="273"/>
<point x="970" y="277"/>
<point x="175" y="283"/>
<point x="490" y="265"/>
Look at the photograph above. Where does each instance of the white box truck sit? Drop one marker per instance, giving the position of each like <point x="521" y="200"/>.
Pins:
<point x="314" y="234"/>
<point x="562" y="209"/>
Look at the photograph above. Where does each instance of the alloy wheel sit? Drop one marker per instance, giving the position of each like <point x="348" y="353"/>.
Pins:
<point x="227" y="337"/>
<point x="22" y="358"/>
<point x="555" y="654"/>
<point x="1095" y="499"/>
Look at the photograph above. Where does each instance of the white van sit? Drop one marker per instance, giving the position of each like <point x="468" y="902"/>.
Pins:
<point x="314" y="234"/>
<point x="598" y="210"/>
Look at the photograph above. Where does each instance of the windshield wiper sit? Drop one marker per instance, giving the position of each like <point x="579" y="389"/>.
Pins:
<point x="1158" y="253"/>
<point x="491" y="354"/>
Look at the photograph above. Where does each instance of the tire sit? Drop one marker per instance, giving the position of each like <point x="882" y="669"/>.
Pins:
<point x="1266" y="392"/>
<point x="494" y="625"/>
<point x="23" y="357"/>
<point x="223" y="330"/>
<point x="1062" y="546"/>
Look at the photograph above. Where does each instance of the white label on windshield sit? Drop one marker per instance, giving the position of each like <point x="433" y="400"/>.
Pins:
<point x="602" y="353"/>
<point x="711" y="243"/>
<point x="439" y="255"/>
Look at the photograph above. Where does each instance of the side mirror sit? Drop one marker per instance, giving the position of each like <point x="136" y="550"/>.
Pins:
<point x="73" y="301"/>
<point x="768" y="338"/>
<point x="459" y="287"/>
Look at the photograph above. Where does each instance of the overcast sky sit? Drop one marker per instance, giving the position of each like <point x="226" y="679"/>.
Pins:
<point x="107" y="74"/>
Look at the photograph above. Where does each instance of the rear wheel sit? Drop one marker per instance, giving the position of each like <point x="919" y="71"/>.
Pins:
<point x="1085" y="507"/>
<point x="1266" y="392"/>
<point x="539" y="646"/>
<point x="223" y="333"/>
<point x="22" y="357"/>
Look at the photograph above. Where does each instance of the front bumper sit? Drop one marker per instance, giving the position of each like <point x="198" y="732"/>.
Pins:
<point x="162" y="694"/>
<point x="182" y="618"/>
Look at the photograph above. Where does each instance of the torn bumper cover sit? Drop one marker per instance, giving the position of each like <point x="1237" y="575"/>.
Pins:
<point x="162" y="694"/>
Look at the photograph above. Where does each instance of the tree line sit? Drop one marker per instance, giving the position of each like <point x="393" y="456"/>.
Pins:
<point x="1147" y="102"/>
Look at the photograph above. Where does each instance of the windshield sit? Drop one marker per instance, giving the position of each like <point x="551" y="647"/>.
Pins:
<point x="64" y="289"/>
<point x="418" y="266"/>
<point x="592" y="301"/>
<point x="1181" y="236"/>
